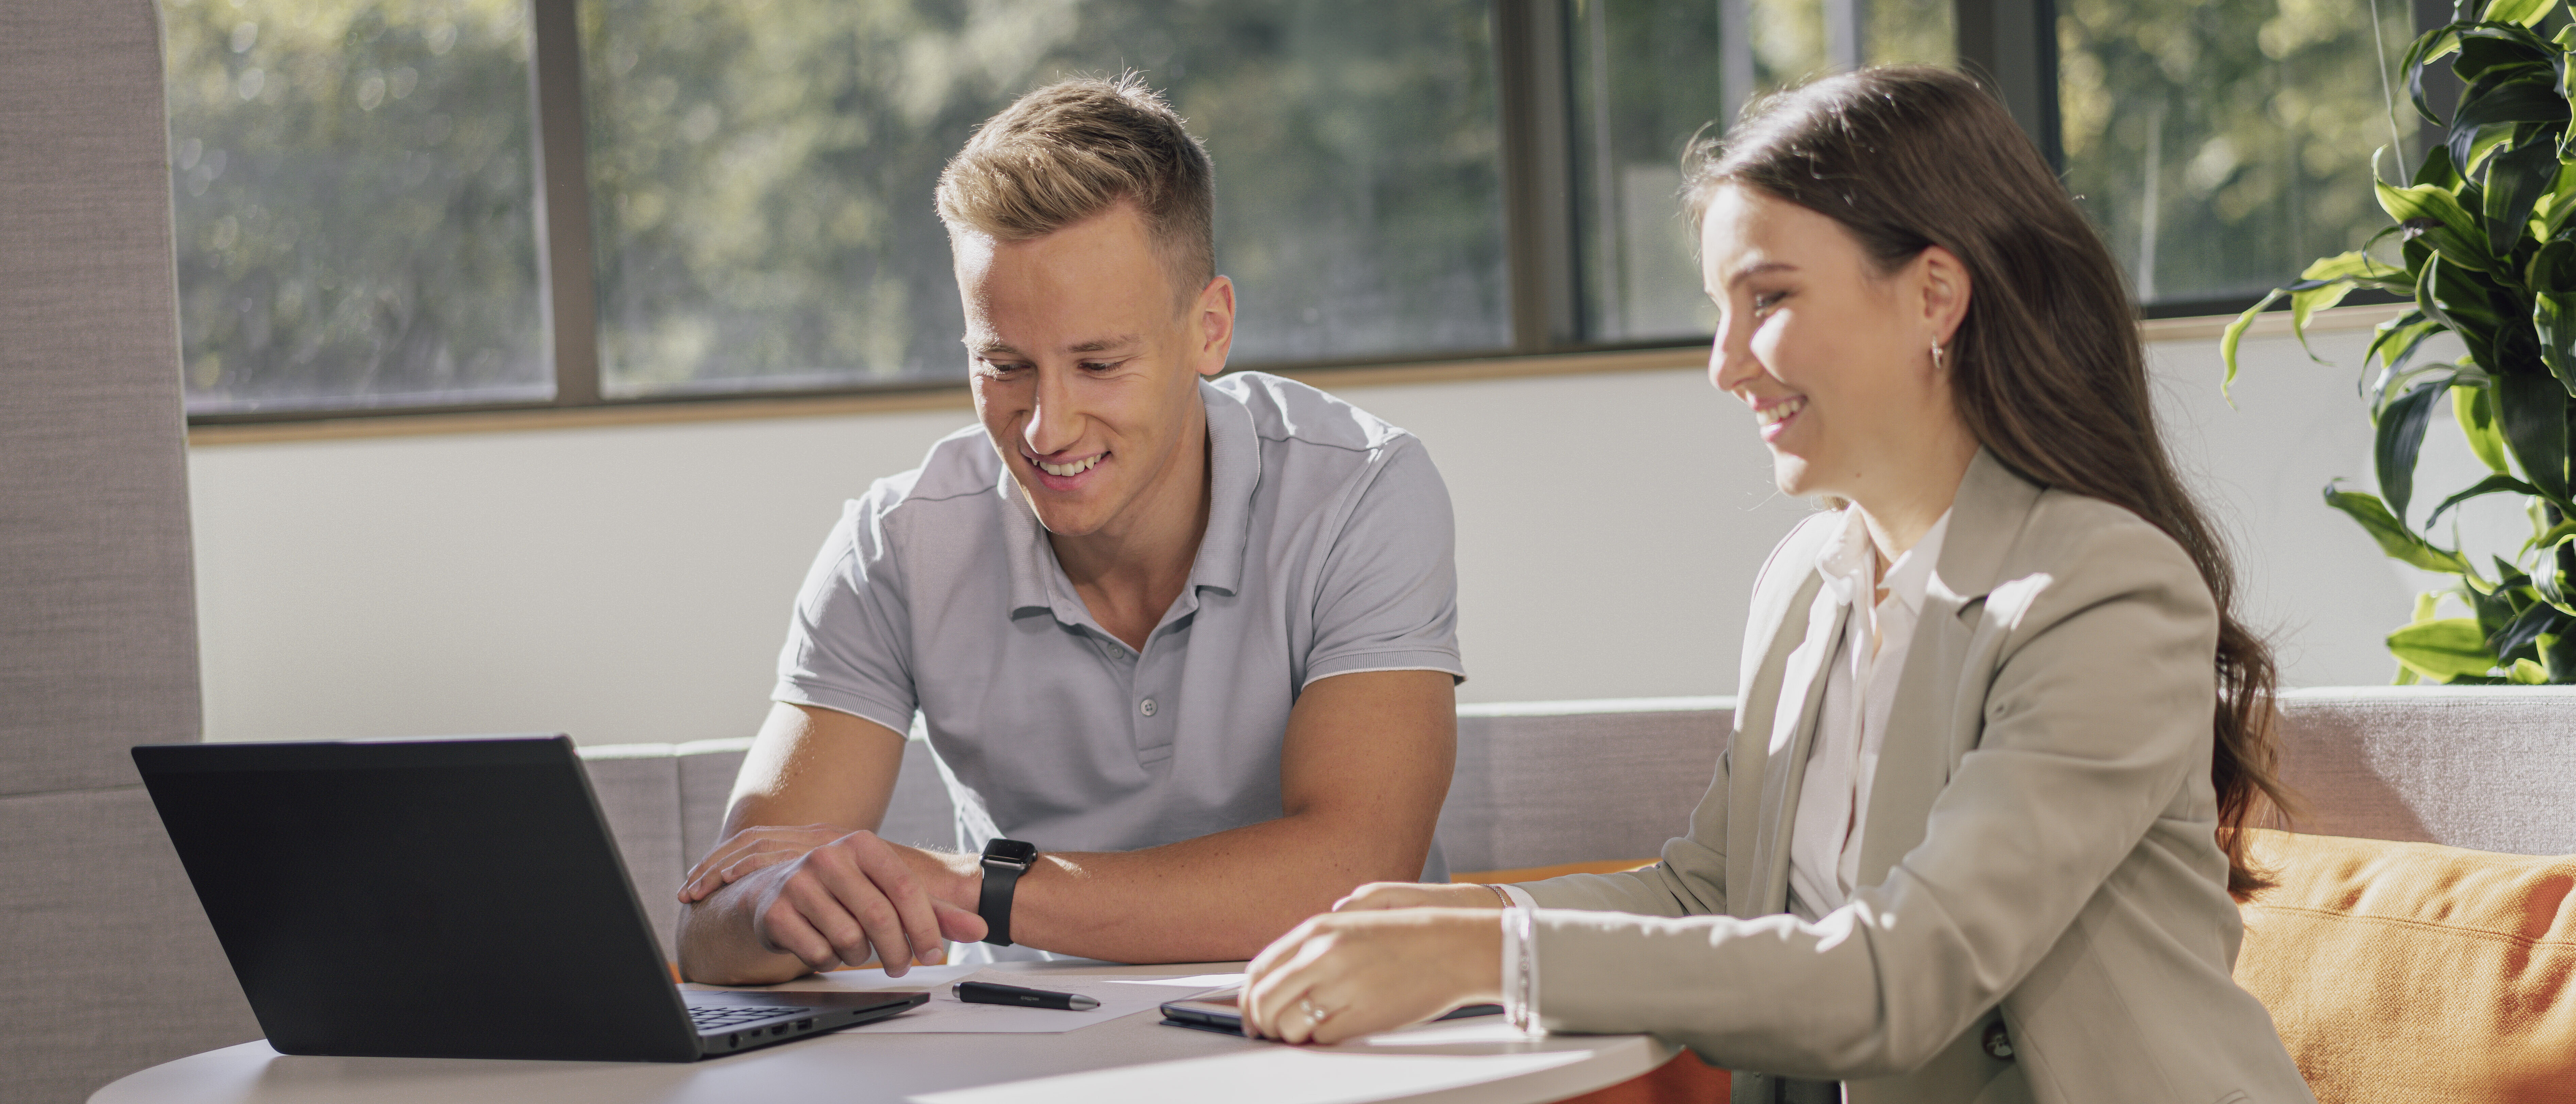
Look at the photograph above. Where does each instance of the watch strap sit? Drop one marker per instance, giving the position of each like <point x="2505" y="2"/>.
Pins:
<point x="1001" y="877"/>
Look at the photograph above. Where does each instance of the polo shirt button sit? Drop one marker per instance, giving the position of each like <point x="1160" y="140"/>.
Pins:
<point x="1147" y="708"/>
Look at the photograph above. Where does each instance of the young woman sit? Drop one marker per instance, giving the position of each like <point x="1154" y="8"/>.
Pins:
<point x="1975" y="835"/>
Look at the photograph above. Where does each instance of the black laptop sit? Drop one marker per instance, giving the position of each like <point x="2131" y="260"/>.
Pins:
<point x="445" y="898"/>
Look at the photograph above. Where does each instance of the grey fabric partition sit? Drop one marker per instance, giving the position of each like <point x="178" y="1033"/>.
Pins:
<point x="2490" y="768"/>
<point x="1534" y="779"/>
<point x="1539" y="783"/>
<point x="111" y="965"/>
<point x="1527" y="791"/>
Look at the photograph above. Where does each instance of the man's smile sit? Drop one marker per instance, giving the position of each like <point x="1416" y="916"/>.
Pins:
<point x="1065" y="474"/>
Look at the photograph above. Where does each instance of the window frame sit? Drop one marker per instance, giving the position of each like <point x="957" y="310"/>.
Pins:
<point x="2011" y="44"/>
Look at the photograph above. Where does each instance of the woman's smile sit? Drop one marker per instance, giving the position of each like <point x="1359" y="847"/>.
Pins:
<point x="1775" y="416"/>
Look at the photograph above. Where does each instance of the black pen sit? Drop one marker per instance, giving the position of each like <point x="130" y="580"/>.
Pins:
<point x="985" y="992"/>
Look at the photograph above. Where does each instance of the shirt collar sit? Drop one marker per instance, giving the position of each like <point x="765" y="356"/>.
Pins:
<point x="1234" y="471"/>
<point x="1847" y="558"/>
<point x="1912" y="572"/>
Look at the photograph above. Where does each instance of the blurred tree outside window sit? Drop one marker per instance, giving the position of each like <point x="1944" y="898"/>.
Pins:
<point x="356" y="227"/>
<point x="352" y="190"/>
<point x="762" y="174"/>
<point x="1646" y="77"/>
<point x="2220" y="147"/>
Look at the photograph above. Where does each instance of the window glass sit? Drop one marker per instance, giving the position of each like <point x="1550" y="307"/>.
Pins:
<point x="2221" y="147"/>
<point x="762" y="174"/>
<point x="352" y="183"/>
<point x="1647" y="75"/>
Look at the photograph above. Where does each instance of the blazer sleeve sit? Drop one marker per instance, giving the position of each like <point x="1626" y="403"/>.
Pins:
<point x="2097" y="711"/>
<point x="1691" y="879"/>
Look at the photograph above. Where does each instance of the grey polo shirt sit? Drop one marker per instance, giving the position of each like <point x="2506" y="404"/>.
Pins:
<point x="1328" y="551"/>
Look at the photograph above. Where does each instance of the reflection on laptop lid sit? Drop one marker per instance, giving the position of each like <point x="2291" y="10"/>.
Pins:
<point x="454" y="898"/>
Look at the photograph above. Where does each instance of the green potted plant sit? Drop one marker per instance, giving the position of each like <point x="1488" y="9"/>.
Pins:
<point x="2486" y="250"/>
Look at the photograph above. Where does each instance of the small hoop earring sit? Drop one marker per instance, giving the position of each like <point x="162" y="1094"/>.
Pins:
<point x="1937" y="366"/>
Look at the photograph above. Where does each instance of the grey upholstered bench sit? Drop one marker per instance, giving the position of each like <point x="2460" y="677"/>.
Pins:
<point x="1531" y="789"/>
<point x="1541" y="783"/>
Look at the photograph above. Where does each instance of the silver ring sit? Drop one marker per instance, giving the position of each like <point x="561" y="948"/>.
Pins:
<point x="1307" y="1006"/>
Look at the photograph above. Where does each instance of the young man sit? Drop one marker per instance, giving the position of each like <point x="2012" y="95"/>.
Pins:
<point x="1185" y="649"/>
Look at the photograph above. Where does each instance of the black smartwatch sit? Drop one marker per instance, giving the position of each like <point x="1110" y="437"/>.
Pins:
<point x="1004" y="861"/>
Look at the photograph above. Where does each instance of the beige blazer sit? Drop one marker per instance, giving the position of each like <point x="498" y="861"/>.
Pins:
<point x="2039" y="849"/>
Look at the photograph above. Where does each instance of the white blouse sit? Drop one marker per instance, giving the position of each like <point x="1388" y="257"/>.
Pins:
<point x="1860" y="691"/>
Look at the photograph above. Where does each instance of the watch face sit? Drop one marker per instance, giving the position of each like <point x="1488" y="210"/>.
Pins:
<point x="1020" y="852"/>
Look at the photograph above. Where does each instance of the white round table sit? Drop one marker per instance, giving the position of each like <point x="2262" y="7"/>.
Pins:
<point x="1134" y="1058"/>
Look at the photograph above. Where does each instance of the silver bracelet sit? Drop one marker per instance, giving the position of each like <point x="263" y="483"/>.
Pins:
<point x="1520" y="974"/>
<point x="1500" y="893"/>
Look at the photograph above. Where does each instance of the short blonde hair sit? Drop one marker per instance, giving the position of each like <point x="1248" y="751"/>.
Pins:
<point x="1075" y="148"/>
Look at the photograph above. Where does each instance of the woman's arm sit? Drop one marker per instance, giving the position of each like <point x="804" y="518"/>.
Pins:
<point x="2096" y="720"/>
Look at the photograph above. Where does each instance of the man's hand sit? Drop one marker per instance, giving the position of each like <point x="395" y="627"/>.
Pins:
<point x="1346" y="974"/>
<point x="752" y="849"/>
<point x="1396" y="895"/>
<point x="846" y="901"/>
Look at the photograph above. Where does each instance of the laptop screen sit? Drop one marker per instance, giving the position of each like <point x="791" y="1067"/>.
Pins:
<point x="450" y="897"/>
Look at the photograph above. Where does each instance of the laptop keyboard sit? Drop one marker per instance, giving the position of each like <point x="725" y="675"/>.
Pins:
<point x="719" y="1017"/>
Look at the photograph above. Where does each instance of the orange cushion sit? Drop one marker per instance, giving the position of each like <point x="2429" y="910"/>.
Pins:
<point x="2405" y="972"/>
<point x="1537" y="873"/>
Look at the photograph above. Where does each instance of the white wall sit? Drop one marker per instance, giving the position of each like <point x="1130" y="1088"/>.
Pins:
<point x="631" y="584"/>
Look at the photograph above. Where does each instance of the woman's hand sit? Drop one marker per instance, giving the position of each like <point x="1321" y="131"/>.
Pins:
<point x="1396" y="895"/>
<point x="1346" y="974"/>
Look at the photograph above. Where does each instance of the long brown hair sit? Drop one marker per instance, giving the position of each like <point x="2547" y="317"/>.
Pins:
<point x="2046" y="367"/>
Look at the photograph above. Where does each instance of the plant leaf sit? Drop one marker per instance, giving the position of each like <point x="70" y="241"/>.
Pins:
<point x="2562" y="192"/>
<point x="2353" y="265"/>
<point x="2529" y="13"/>
<point x="2471" y="145"/>
<point x="2458" y="300"/>
<point x="2552" y="537"/>
<point x="2437" y="170"/>
<point x="2427" y="49"/>
<point x="2307" y="301"/>
<point x="2532" y="408"/>
<point x="2519" y="95"/>
<point x="2322" y="285"/>
<point x="2235" y="333"/>
<point x="2486" y="48"/>
<point x="2474" y="409"/>
<point x="2528" y="673"/>
<point x="2566" y="85"/>
<point x="2437" y="215"/>
<point x="2526" y="629"/>
<point x="2400" y="543"/>
<point x="2516" y="179"/>
<point x="2553" y="309"/>
<point x="2444" y="649"/>
<point x="2493" y="484"/>
<point x="2395" y="344"/>
<point x="2401" y="439"/>
<point x="2551" y="583"/>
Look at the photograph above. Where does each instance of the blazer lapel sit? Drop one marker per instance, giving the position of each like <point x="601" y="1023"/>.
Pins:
<point x="1793" y="730"/>
<point x="1927" y="730"/>
<point x="1776" y="626"/>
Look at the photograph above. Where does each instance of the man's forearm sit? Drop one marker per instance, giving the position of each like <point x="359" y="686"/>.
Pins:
<point x="1212" y="899"/>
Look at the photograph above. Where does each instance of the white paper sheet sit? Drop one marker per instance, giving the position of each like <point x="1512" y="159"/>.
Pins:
<point x="1119" y="995"/>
